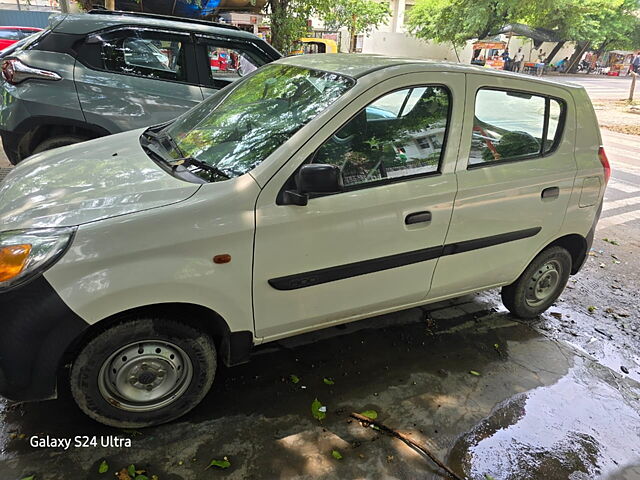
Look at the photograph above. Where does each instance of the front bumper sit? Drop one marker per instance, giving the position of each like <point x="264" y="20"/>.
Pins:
<point x="36" y="329"/>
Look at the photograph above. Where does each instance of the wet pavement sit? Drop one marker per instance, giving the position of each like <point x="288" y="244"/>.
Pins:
<point x="537" y="408"/>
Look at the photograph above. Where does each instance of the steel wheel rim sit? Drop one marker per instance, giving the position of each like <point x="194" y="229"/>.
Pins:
<point x="145" y="376"/>
<point x="543" y="283"/>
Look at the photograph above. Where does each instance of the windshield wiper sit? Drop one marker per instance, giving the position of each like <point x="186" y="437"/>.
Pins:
<point x="163" y="139"/>
<point x="188" y="161"/>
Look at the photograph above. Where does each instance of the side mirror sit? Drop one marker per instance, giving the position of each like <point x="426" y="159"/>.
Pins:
<point x="315" y="178"/>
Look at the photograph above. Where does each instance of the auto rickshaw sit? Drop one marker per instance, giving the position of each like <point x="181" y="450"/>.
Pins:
<point x="315" y="45"/>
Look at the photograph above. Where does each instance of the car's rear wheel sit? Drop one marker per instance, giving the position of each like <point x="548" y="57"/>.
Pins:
<point x="540" y="284"/>
<point x="58" y="141"/>
<point x="143" y="372"/>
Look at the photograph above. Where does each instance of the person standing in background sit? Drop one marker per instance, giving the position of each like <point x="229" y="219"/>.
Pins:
<point x="518" y="61"/>
<point x="635" y="63"/>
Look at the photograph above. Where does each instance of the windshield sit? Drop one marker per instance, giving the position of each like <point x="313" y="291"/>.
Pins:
<point x="234" y="133"/>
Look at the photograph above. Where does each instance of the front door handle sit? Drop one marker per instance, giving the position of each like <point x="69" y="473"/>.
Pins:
<point x="417" y="217"/>
<point x="551" y="192"/>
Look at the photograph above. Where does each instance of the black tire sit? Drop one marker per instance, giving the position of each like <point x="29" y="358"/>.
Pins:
<point x="58" y="141"/>
<point x="99" y="398"/>
<point x="523" y="298"/>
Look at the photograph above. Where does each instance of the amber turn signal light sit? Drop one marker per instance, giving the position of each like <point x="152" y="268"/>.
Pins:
<point x="13" y="258"/>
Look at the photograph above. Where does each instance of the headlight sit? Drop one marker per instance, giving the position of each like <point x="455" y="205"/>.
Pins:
<point x="25" y="253"/>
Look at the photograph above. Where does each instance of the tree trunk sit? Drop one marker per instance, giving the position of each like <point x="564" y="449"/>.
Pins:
<point x="581" y="47"/>
<point x="554" y="52"/>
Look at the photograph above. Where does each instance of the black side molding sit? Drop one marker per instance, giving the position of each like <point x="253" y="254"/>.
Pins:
<point x="340" y="272"/>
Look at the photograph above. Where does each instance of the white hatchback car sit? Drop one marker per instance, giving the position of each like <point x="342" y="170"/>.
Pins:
<point x="317" y="190"/>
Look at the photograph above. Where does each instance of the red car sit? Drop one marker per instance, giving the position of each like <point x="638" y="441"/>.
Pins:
<point x="10" y="35"/>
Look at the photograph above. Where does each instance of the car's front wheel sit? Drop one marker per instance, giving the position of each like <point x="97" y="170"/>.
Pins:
<point x="143" y="372"/>
<point x="58" y="141"/>
<point x="540" y="284"/>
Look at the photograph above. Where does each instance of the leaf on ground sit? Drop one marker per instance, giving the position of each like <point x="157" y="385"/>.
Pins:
<point x="557" y="315"/>
<point x="372" y="414"/>
<point x="612" y="242"/>
<point x="294" y="378"/>
<point x="318" y="410"/>
<point x="123" y="475"/>
<point x="336" y="454"/>
<point x="104" y="467"/>
<point x="30" y="477"/>
<point x="328" y="381"/>
<point x="488" y="477"/>
<point x="591" y="308"/>
<point x="141" y="477"/>
<point x="473" y="372"/>
<point x="224" y="463"/>
<point x="131" y="470"/>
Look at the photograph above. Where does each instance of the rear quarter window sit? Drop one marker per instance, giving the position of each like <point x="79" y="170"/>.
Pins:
<point x="514" y="125"/>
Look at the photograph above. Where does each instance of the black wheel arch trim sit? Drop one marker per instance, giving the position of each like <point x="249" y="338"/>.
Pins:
<point x="340" y="272"/>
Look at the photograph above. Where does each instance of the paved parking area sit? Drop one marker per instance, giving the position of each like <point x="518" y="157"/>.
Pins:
<point x="491" y="396"/>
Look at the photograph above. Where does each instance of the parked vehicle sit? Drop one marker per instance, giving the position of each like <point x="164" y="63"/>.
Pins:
<point x="100" y="73"/>
<point x="11" y="35"/>
<point x="315" y="45"/>
<point x="319" y="190"/>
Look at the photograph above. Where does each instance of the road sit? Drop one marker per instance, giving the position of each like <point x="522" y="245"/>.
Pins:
<point x="602" y="87"/>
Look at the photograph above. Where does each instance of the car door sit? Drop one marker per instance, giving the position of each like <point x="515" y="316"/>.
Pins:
<point x="513" y="186"/>
<point x="222" y="61"/>
<point x="372" y="247"/>
<point x="135" y="77"/>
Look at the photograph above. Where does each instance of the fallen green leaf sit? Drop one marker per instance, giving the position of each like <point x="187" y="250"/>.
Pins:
<point x="294" y="378"/>
<point x="30" y="477"/>
<point x="131" y="470"/>
<point x="612" y="242"/>
<point x="141" y="477"/>
<point x="473" y="372"/>
<point x="488" y="477"/>
<point x="336" y="454"/>
<point x="104" y="467"/>
<point x="591" y="308"/>
<point x="372" y="414"/>
<point x="318" y="410"/>
<point x="328" y="381"/>
<point x="220" y="463"/>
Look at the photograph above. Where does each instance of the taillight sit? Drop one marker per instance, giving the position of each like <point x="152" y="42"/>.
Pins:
<point x="14" y="72"/>
<point x="605" y="164"/>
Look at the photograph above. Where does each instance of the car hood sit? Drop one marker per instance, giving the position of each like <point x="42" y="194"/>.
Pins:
<point x="86" y="182"/>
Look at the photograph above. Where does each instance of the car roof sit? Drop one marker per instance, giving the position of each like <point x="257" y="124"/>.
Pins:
<point x="87" y="23"/>
<point x="358" y="65"/>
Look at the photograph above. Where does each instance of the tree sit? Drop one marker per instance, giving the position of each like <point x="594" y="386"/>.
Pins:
<point x="289" y="21"/>
<point x="460" y="20"/>
<point x="358" y="16"/>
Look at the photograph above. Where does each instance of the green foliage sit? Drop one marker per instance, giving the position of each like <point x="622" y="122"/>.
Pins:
<point x="460" y="20"/>
<point x="336" y="454"/>
<point x="612" y="23"/>
<point x="104" y="467"/>
<point x="318" y="410"/>
<point x="223" y="464"/>
<point x="358" y="16"/>
<point x="288" y="21"/>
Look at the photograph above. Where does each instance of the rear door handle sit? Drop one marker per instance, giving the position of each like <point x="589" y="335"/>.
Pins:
<point x="551" y="192"/>
<point x="417" y="217"/>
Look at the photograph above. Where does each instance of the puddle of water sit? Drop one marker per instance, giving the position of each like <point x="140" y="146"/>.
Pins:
<point x="581" y="427"/>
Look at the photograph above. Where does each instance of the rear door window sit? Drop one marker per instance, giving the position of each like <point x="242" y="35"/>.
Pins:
<point x="226" y="61"/>
<point x="513" y="125"/>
